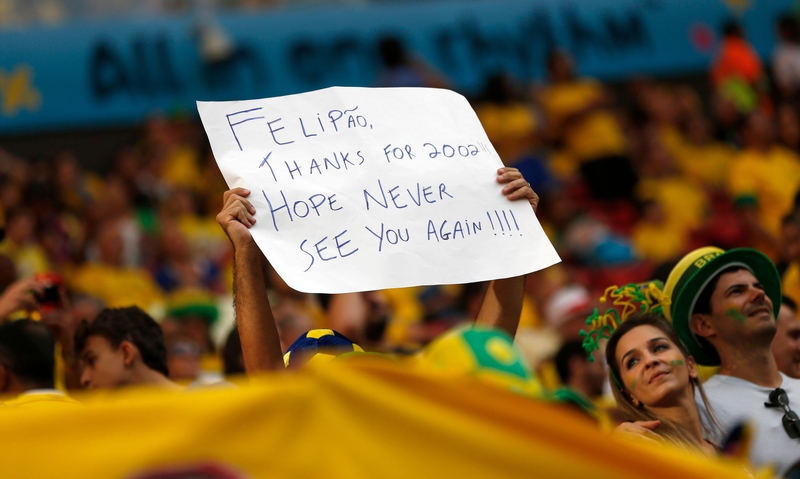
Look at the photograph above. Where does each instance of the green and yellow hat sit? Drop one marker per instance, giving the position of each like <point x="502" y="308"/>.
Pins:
<point x="694" y="272"/>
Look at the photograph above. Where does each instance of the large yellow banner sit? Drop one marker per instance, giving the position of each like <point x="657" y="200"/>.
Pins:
<point x="351" y="419"/>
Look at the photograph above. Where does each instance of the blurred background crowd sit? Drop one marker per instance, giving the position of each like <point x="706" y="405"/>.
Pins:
<point x="632" y="175"/>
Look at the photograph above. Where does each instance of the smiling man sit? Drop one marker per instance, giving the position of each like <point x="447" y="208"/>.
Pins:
<point x="723" y="307"/>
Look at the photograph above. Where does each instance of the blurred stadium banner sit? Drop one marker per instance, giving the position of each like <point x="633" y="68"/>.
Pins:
<point x="116" y="71"/>
<point x="347" y="420"/>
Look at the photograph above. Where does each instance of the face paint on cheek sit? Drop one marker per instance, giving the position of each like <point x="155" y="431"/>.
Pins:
<point x="736" y="315"/>
<point x="633" y="385"/>
<point x="676" y="362"/>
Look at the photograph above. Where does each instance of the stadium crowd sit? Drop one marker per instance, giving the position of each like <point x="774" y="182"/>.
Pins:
<point x="127" y="277"/>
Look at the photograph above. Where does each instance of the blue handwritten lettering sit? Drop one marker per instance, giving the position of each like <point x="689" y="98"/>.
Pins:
<point x="250" y="118"/>
<point x="275" y="130"/>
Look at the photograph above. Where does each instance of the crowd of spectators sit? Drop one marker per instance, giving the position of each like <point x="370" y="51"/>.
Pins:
<point x="631" y="178"/>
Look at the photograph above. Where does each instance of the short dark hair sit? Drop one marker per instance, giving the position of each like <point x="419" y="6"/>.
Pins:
<point x="789" y="303"/>
<point x="27" y="349"/>
<point x="127" y="324"/>
<point x="703" y="303"/>
<point x="569" y="350"/>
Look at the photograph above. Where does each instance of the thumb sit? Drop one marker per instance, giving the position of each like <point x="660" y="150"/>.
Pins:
<point x="652" y="425"/>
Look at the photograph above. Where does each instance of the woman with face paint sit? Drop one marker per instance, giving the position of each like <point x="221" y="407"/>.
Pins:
<point x="654" y="382"/>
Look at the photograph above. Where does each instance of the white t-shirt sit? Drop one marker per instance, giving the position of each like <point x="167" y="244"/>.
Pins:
<point x="735" y="400"/>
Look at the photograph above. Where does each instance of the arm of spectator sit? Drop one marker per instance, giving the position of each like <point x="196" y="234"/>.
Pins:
<point x="502" y="305"/>
<point x="261" y="348"/>
<point x="20" y="295"/>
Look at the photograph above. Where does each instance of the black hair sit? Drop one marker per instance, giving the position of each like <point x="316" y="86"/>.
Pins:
<point x="789" y="303"/>
<point x="27" y="350"/>
<point x="703" y="303"/>
<point x="568" y="350"/>
<point x="789" y="28"/>
<point x="732" y="28"/>
<point x="127" y="324"/>
<point x="392" y="51"/>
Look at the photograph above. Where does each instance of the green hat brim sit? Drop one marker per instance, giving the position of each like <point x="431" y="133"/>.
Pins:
<point x="682" y="306"/>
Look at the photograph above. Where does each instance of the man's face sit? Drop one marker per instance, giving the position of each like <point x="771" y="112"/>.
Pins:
<point x="102" y="366"/>
<point x="740" y="309"/>
<point x="786" y="344"/>
<point x="595" y="376"/>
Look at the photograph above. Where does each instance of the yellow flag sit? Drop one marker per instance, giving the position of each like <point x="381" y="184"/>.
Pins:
<point x="348" y="419"/>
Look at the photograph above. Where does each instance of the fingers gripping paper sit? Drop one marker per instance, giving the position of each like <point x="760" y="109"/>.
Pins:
<point x="359" y="189"/>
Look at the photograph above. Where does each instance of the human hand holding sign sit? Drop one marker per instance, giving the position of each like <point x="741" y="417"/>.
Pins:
<point x="258" y="332"/>
<point x="502" y="305"/>
<point x="261" y="348"/>
<point x="516" y="187"/>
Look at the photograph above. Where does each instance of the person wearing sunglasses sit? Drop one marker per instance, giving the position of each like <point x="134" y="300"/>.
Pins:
<point x="723" y="306"/>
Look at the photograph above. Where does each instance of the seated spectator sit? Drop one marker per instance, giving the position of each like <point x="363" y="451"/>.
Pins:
<point x="20" y="243"/>
<point x="401" y="69"/>
<point x="183" y="359"/>
<point x="657" y="239"/>
<point x="110" y="280"/>
<point x="580" y="118"/>
<point x="577" y="372"/>
<point x="509" y="122"/>
<point x="737" y="71"/>
<point x="27" y="366"/>
<point x="788" y="127"/>
<point x="703" y="159"/>
<point x="786" y="343"/>
<point x="786" y="58"/>
<point x="685" y="203"/>
<point x="763" y="180"/>
<point x="122" y="347"/>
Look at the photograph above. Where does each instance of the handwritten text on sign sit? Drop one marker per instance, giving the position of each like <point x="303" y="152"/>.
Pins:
<point x="359" y="189"/>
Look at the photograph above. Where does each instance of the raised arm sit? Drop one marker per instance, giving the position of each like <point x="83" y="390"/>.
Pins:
<point x="261" y="347"/>
<point x="502" y="304"/>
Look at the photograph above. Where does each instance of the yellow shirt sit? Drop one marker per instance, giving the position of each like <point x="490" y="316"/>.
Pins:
<point x="659" y="243"/>
<point x="181" y="168"/>
<point x="706" y="164"/>
<point x="205" y="236"/>
<point x="791" y="281"/>
<point x="672" y="139"/>
<point x="594" y="135"/>
<point x="510" y="128"/>
<point x="116" y="287"/>
<point x="685" y="203"/>
<point x="768" y="180"/>
<point x="28" y="259"/>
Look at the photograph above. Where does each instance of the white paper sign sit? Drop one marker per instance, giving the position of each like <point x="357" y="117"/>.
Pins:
<point x="360" y="189"/>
